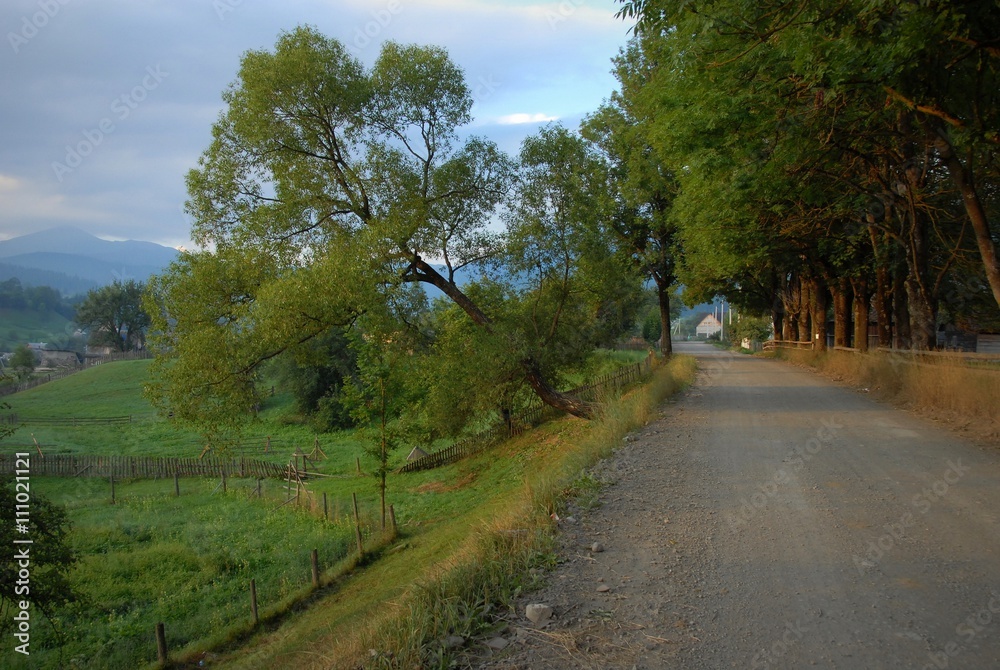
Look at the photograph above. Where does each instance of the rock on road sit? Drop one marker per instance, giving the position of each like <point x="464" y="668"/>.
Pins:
<point x="772" y="519"/>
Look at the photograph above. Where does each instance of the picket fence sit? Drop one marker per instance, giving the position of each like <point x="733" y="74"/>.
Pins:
<point x="145" y="467"/>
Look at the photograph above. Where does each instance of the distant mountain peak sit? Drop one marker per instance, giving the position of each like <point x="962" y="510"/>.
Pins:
<point x="75" y="253"/>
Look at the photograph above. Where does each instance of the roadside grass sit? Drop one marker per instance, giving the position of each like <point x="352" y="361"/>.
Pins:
<point x="965" y="396"/>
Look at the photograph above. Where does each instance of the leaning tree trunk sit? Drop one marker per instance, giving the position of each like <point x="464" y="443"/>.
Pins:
<point x="961" y="175"/>
<point x="550" y="396"/>
<point x="422" y="271"/>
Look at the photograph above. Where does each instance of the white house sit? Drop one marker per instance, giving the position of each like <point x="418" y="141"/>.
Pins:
<point x="708" y="326"/>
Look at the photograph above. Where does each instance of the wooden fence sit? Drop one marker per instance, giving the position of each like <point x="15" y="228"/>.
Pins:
<point x="479" y="442"/>
<point x="62" y="372"/>
<point x="14" y="419"/>
<point x="592" y="392"/>
<point x="771" y="345"/>
<point x="145" y="467"/>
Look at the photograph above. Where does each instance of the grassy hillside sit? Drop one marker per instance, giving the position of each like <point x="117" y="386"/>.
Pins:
<point x="21" y="326"/>
<point x="116" y="390"/>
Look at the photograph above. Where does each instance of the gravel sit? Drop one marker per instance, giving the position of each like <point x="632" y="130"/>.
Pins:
<point x="769" y="518"/>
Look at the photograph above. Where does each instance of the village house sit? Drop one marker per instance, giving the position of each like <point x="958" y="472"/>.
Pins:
<point x="708" y="326"/>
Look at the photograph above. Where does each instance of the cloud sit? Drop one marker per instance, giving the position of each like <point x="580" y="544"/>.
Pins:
<point x="516" y="119"/>
<point x="8" y="183"/>
<point x="62" y="82"/>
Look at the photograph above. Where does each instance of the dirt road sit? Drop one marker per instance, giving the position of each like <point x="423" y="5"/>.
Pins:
<point x="772" y="519"/>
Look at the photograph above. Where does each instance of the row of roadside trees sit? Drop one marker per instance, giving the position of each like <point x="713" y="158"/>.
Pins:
<point x="827" y="155"/>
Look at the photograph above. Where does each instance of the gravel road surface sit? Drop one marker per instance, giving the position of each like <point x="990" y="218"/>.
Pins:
<point x="770" y="518"/>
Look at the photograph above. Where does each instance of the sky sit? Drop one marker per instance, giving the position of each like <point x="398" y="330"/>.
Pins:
<point x="107" y="104"/>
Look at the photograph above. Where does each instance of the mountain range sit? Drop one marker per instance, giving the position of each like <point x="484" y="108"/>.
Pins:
<point x="73" y="261"/>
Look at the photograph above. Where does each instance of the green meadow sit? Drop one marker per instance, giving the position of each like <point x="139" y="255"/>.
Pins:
<point x="187" y="560"/>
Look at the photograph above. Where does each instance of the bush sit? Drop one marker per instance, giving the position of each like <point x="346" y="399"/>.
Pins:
<point x="752" y="328"/>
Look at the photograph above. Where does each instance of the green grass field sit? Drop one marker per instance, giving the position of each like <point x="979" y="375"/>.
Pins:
<point x="187" y="561"/>
<point x="22" y="326"/>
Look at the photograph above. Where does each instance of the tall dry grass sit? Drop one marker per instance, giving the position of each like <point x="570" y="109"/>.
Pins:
<point x="945" y="389"/>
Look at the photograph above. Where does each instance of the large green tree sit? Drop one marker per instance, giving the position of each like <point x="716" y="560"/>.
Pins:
<point x="115" y="316"/>
<point x="644" y="186"/>
<point x="572" y="291"/>
<point x="327" y="188"/>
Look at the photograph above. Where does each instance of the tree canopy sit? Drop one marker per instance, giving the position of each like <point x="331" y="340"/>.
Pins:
<point x="330" y="188"/>
<point x="115" y="316"/>
<point x="825" y="152"/>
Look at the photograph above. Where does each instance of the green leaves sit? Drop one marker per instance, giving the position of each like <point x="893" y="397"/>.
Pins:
<point x="114" y="315"/>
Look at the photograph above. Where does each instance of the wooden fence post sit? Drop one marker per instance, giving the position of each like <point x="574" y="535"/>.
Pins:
<point x="392" y="518"/>
<point x="253" y="601"/>
<point x="326" y="509"/>
<point x="314" y="560"/>
<point x="161" y="645"/>
<point x="112" y="487"/>
<point x="177" y="483"/>
<point x="357" y="525"/>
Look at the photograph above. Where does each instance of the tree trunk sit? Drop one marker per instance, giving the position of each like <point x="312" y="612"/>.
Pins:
<point x="805" y="313"/>
<point x="777" y="317"/>
<point x="963" y="179"/>
<point x="841" y="312"/>
<point x="900" y="312"/>
<point x="663" y="293"/>
<point x="922" y="318"/>
<point x="923" y="332"/>
<point x="789" y="297"/>
<point x="883" y="307"/>
<point x="550" y="396"/>
<point x="861" y="307"/>
<point x="421" y="271"/>
<point x="818" y="304"/>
